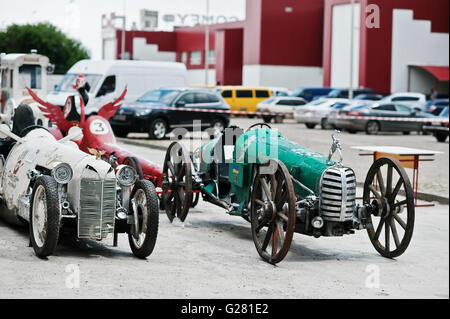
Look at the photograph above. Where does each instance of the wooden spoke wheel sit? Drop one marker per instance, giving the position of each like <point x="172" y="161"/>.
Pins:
<point x="195" y="199"/>
<point x="177" y="182"/>
<point x="273" y="212"/>
<point x="388" y="190"/>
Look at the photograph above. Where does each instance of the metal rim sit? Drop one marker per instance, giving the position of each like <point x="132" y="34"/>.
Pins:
<point x="177" y="182"/>
<point x="159" y="129"/>
<point x="273" y="213"/>
<point x="139" y="228"/>
<point x="373" y="127"/>
<point x="39" y="216"/>
<point x="389" y="207"/>
<point x="219" y="126"/>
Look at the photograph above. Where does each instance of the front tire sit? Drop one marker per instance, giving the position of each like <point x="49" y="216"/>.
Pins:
<point x="324" y="125"/>
<point x="142" y="235"/>
<point x="441" y="138"/>
<point x="267" y="119"/>
<point x="310" y="126"/>
<point x="120" y="132"/>
<point x="372" y="128"/>
<point x="218" y="125"/>
<point x="158" y="129"/>
<point x="44" y="216"/>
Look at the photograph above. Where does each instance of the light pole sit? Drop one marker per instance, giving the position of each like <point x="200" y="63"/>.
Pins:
<point x="352" y="25"/>
<point x="207" y="43"/>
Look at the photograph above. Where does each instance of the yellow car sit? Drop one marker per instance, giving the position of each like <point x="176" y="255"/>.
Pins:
<point x="244" y="98"/>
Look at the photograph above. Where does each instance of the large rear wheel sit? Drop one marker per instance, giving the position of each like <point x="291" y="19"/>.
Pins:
<point x="273" y="211"/>
<point x="388" y="191"/>
<point x="177" y="182"/>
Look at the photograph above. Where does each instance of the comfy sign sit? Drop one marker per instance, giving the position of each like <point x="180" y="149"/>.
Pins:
<point x="191" y="19"/>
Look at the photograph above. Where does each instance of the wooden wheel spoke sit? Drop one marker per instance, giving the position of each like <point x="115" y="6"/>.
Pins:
<point x="399" y="220"/>
<point x="381" y="182"/>
<point x="283" y="216"/>
<point x="389" y="181"/>
<point x="403" y="202"/>
<point x="259" y="202"/>
<point x="261" y="224"/>
<point x="171" y="168"/>
<point x="170" y="196"/>
<point x="280" y="231"/>
<point x="397" y="188"/>
<point x="275" y="236"/>
<point x="181" y="171"/>
<point x="379" y="229"/>
<point x="387" y="232"/>
<point x="266" y="189"/>
<point x="267" y="238"/>
<point x="283" y="199"/>
<point x="375" y="192"/>
<point x="177" y="203"/>
<point x="395" y="233"/>
<point x="181" y="195"/>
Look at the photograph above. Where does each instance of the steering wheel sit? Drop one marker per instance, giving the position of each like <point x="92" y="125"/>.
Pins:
<point x="27" y="129"/>
<point x="259" y="124"/>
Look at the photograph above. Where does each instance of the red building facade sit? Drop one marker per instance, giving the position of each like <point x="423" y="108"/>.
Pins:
<point x="293" y="43"/>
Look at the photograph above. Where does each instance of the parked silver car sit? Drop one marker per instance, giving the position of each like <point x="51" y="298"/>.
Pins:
<point x="375" y="122"/>
<point x="315" y="112"/>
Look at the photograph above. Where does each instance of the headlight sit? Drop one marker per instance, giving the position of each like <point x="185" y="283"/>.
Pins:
<point x="143" y="112"/>
<point x="62" y="173"/>
<point x="126" y="175"/>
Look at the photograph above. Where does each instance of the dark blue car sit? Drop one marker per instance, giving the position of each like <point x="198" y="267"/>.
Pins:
<point x="310" y="94"/>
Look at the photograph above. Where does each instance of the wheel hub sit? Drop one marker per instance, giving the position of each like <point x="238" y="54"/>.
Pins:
<point x="270" y="210"/>
<point x="381" y="208"/>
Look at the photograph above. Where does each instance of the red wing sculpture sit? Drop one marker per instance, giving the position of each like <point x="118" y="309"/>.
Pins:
<point x="52" y="112"/>
<point x="108" y="110"/>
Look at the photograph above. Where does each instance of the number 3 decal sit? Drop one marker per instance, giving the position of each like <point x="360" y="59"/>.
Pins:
<point x="98" y="127"/>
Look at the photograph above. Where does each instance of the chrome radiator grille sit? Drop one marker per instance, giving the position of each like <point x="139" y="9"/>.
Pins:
<point x="97" y="208"/>
<point x="338" y="192"/>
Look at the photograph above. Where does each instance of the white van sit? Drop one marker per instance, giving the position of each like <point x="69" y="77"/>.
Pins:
<point x="107" y="80"/>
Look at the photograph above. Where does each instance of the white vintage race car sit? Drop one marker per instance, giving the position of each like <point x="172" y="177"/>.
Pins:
<point x="50" y="184"/>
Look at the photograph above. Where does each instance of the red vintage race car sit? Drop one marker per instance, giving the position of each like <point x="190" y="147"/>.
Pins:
<point x="98" y="137"/>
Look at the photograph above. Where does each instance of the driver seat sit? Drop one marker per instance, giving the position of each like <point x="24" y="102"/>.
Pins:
<point x="219" y="152"/>
<point x="23" y="118"/>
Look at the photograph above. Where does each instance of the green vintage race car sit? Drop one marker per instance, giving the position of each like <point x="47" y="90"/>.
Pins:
<point x="281" y="187"/>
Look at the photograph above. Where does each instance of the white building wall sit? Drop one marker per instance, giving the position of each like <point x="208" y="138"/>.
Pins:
<point x="149" y="52"/>
<point x="197" y="77"/>
<point x="341" y="43"/>
<point x="413" y="43"/>
<point x="290" y="77"/>
<point x="109" y="49"/>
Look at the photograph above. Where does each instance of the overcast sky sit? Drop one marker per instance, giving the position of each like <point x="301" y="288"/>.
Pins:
<point x="81" y="19"/>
